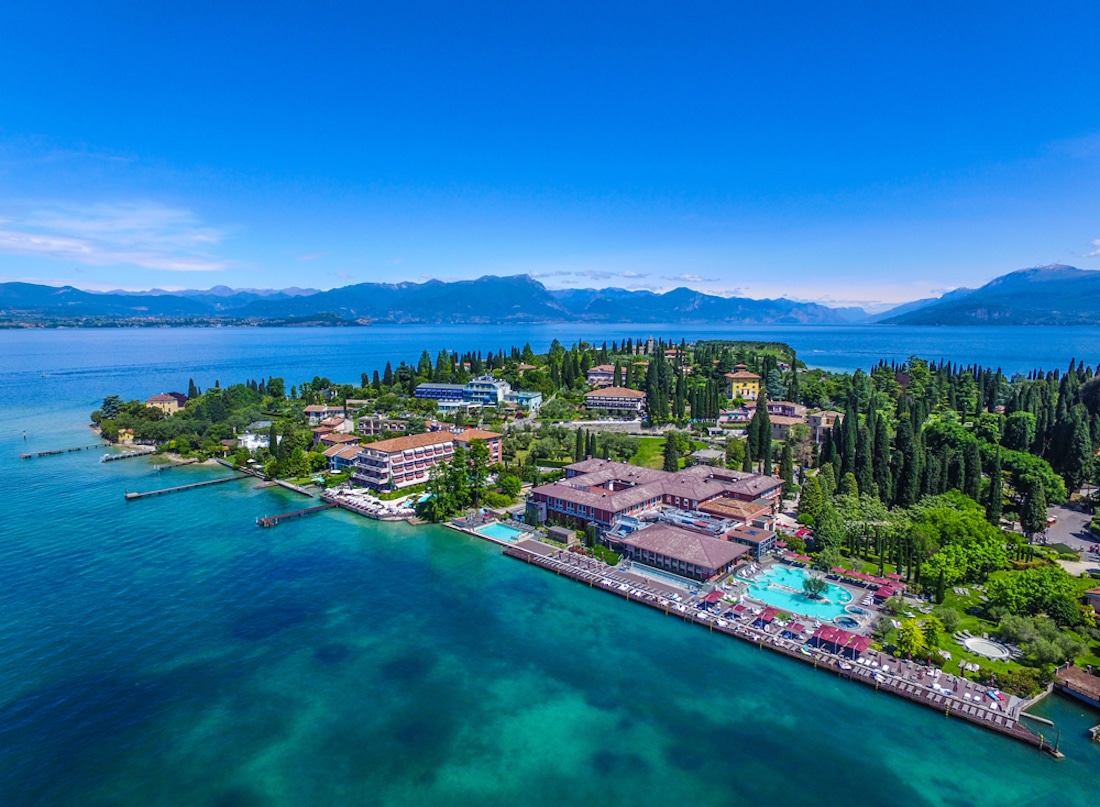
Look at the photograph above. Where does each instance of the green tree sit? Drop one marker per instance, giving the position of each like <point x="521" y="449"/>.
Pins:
<point x="811" y="498"/>
<point x="932" y="628"/>
<point x="827" y="477"/>
<point x="479" y="469"/>
<point x="994" y="502"/>
<point x="814" y="586"/>
<point x="848" y="485"/>
<point x="828" y="527"/>
<point x="111" y="406"/>
<point x="786" y="466"/>
<point x="911" y="640"/>
<point x="828" y="558"/>
<point x="671" y="453"/>
<point x="1033" y="510"/>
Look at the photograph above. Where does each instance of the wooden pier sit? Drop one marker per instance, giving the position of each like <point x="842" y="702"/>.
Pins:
<point x="943" y="702"/>
<point x="271" y="521"/>
<point x="57" y="451"/>
<point x="178" y="488"/>
<point x="129" y="455"/>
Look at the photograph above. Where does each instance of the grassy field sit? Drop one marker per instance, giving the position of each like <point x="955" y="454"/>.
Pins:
<point x="650" y="453"/>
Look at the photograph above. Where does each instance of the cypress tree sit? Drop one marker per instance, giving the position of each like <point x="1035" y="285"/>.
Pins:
<point x="786" y="466"/>
<point x="972" y="479"/>
<point x="941" y="588"/>
<point x="828" y="479"/>
<point x="880" y="463"/>
<point x="192" y="390"/>
<point x="387" y="376"/>
<point x="746" y="462"/>
<point x="590" y="448"/>
<point x="864" y="471"/>
<point x="995" y="500"/>
<point x="811" y="498"/>
<point x="849" y="486"/>
<point x="1078" y="459"/>
<point x="1033" y="513"/>
<point x="671" y="453"/>
<point x="617" y="376"/>
<point x="907" y="478"/>
<point x="578" y="446"/>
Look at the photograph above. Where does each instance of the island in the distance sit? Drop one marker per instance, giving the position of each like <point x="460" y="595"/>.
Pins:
<point x="893" y="527"/>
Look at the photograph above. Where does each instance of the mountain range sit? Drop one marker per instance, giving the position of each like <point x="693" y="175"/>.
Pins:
<point x="1042" y="295"/>
<point x="1047" y="295"/>
<point x="487" y="300"/>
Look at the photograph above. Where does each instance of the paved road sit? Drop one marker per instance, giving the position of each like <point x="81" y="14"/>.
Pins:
<point x="1071" y="528"/>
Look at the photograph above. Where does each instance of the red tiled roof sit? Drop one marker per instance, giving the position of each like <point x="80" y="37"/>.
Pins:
<point x="396" y="444"/>
<point x="615" y="392"/>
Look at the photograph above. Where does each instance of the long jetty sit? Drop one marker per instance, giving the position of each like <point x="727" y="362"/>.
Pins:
<point x="271" y="521"/>
<point x="128" y="455"/>
<point x="998" y="722"/>
<point x="146" y="493"/>
<point x="57" y="451"/>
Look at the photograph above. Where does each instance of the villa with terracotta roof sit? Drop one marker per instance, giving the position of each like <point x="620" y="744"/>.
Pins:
<point x="616" y="400"/>
<point x="404" y="461"/>
<point x="742" y="384"/>
<point x="167" y="402"/>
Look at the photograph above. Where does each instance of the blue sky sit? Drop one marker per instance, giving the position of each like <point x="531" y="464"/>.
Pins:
<point x="840" y="152"/>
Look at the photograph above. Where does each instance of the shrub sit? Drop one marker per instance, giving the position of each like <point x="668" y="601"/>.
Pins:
<point x="950" y="617"/>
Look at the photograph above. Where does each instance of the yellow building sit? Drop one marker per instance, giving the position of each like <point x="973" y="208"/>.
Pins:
<point x="742" y="384"/>
<point x="167" y="403"/>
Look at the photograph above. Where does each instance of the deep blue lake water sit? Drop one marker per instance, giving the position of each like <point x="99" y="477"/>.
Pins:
<point x="169" y="652"/>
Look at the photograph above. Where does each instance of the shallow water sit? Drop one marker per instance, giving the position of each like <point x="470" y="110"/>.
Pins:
<point x="169" y="652"/>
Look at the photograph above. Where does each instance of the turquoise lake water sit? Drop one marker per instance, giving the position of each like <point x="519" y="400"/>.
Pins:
<point x="168" y="652"/>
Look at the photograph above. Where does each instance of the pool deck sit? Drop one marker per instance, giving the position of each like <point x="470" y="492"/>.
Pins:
<point x="960" y="698"/>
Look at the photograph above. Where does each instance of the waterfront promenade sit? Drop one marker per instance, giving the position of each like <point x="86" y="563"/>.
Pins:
<point x="931" y="688"/>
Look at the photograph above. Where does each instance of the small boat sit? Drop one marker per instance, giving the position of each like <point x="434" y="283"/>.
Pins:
<point x="844" y="665"/>
<point x="805" y="651"/>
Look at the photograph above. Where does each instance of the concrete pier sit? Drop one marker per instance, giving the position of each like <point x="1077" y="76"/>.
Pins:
<point x="178" y="488"/>
<point x="271" y="521"/>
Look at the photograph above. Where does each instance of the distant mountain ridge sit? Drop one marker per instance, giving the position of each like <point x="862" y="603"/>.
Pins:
<point x="1041" y="295"/>
<point x="487" y="300"/>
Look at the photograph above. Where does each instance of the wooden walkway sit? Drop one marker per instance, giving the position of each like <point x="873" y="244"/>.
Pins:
<point x="178" y="488"/>
<point x="271" y="521"/>
<point x="940" y="701"/>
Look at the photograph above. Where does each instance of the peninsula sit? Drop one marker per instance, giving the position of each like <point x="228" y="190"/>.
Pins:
<point x="898" y="527"/>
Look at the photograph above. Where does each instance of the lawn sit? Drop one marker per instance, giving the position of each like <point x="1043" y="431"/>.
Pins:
<point x="651" y="452"/>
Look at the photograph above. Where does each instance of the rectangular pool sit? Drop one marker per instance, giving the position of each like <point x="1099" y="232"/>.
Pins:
<point x="501" y="532"/>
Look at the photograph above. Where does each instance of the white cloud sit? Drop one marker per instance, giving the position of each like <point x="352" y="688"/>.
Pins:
<point x="1095" y="252"/>
<point x="687" y="277"/>
<point x="139" y="234"/>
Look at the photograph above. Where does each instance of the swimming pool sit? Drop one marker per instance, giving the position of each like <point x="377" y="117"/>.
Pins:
<point x="781" y="586"/>
<point x="501" y="532"/>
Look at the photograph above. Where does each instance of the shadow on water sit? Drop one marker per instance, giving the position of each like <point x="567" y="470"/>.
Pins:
<point x="265" y="622"/>
<point x="332" y="653"/>
<point x="52" y="732"/>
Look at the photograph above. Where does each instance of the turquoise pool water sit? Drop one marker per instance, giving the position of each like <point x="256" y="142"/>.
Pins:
<point x="502" y="532"/>
<point x="771" y="586"/>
